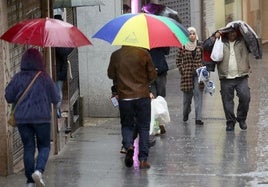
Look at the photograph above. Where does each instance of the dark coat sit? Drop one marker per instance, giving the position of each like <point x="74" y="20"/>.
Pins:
<point x="61" y="62"/>
<point x="207" y="49"/>
<point x="35" y="107"/>
<point x="159" y="59"/>
<point x="245" y="31"/>
<point x="252" y="42"/>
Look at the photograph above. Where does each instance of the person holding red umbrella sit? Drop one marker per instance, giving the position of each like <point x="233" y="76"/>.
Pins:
<point x="33" y="112"/>
<point x="61" y="68"/>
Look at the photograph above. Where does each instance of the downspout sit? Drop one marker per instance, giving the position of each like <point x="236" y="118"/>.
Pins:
<point x="6" y="138"/>
<point x="52" y="66"/>
<point x="202" y="22"/>
<point x="47" y="11"/>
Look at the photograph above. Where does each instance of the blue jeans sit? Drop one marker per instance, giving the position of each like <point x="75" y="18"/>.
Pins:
<point x="136" y="112"/>
<point x="33" y="135"/>
<point x="59" y="86"/>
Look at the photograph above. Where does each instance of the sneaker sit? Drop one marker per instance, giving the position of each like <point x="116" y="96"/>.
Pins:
<point x="230" y="127"/>
<point x="123" y="150"/>
<point x="243" y="125"/>
<point x="37" y="177"/>
<point x="30" y="185"/>
<point x="199" y="122"/>
<point x="162" y="129"/>
<point x="144" y="165"/>
<point x="129" y="157"/>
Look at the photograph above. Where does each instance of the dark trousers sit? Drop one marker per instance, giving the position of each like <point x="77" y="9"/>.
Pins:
<point x="158" y="87"/>
<point x="228" y="88"/>
<point x="137" y="113"/>
<point x="33" y="135"/>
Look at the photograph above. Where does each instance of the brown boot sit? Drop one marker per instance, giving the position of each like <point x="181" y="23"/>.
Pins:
<point x="144" y="165"/>
<point x="162" y="129"/>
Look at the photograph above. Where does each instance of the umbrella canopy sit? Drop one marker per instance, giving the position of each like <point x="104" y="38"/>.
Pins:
<point x="143" y="30"/>
<point x="162" y="10"/>
<point x="46" y="32"/>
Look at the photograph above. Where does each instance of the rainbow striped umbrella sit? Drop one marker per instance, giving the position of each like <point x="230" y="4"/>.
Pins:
<point x="143" y="30"/>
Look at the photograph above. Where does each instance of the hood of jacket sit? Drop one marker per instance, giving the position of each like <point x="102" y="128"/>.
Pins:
<point x="32" y="60"/>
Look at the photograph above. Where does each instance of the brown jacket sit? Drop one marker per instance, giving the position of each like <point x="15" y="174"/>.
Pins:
<point x="132" y="70"/>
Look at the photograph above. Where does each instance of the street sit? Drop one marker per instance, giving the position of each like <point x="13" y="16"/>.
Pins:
<point x="188" y="155"/>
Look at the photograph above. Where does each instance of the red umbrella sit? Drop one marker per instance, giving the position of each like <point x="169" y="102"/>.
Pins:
<point x="46" y="32"/>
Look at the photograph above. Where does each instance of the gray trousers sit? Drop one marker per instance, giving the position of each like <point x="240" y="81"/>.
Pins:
<point x="228" y="87"/>
<point x="197" y="93"/>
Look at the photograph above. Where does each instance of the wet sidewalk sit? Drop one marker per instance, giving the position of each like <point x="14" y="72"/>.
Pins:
<point x="186" y="156"/>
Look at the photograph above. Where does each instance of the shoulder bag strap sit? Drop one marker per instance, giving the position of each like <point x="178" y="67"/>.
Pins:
<point x="27" y="89"/>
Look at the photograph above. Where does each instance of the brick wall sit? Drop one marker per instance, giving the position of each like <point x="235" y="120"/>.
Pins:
<point x="5" y="131"/>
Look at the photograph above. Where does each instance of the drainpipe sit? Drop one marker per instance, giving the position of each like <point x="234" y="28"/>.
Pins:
<point x="6" y="134"/>
<point x="47" y="11"/>
<point x="202" y="21"/>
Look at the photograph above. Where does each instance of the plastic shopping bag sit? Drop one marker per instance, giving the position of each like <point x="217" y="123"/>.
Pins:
<point x="203" y="74"/>
<point x="159" y="112"/>
<point x="210" y="87"/>
<point x="217" y="51"/>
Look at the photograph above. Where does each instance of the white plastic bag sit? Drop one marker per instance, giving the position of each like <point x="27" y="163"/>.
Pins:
<point x="217" y="51"/>
<point x="203" y="74"/>
<point x="210" y="87"/>
<point x="159" y="112"/>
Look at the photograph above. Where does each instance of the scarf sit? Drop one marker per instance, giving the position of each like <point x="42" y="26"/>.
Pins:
<point x="191" y="45"/>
